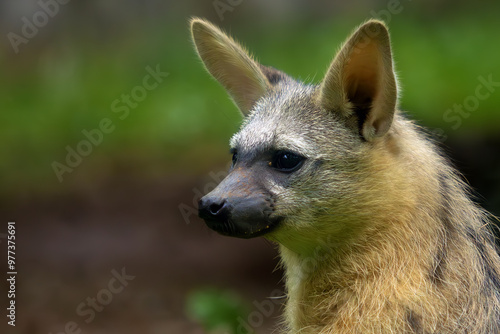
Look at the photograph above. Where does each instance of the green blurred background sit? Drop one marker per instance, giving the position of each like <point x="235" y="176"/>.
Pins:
<point x="129" y="202"/>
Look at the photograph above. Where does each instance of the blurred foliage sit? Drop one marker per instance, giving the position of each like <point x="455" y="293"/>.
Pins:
<point x="58" y="86"/>
<point x="216" y="310"/>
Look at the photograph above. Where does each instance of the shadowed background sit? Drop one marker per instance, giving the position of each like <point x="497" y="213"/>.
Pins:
<point x="110" y="131"/>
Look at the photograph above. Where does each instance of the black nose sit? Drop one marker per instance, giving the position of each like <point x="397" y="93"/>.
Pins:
<point x="213" y="209"/>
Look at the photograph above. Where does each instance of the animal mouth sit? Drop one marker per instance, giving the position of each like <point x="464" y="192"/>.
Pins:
<point x="226" y="227"/>
<point x="243" y="230"/>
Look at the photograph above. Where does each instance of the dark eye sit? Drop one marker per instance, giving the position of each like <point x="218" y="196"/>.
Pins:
<point x="235" y="157"/>
<point x="287" y="161"/>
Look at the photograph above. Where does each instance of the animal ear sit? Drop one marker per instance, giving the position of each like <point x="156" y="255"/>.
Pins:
<point x="230" y="64"/>
<point x="360" y="81"/>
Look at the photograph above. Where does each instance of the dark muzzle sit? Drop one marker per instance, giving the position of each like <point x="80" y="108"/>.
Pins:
<point x="239" y="207"/>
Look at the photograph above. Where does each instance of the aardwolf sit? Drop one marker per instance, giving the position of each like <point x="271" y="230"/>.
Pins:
<point x="376" y="231"/>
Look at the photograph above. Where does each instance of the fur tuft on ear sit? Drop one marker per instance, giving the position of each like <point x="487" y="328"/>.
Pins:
<point x="230" y="64"/>
<point x="360" y="82"/>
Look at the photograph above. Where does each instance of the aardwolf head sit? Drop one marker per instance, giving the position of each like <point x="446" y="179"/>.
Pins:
<point x="301" y="157"/>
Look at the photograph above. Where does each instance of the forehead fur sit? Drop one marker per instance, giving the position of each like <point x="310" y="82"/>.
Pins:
<point x="288" y="118"/>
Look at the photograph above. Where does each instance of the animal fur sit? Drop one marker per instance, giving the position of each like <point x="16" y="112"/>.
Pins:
<point x="377" y="232"/>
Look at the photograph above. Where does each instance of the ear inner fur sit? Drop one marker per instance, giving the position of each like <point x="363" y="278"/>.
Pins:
<point x="230" y="64"/>
<point x="361" y="80"/>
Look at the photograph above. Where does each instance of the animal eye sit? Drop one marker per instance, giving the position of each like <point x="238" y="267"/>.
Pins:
<point x="235" y="157"/>
<point x="287" y="161"/>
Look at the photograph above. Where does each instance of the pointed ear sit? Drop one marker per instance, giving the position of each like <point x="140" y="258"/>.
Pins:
<point x="360" y="81"/>
<point x="230" y="64"/>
